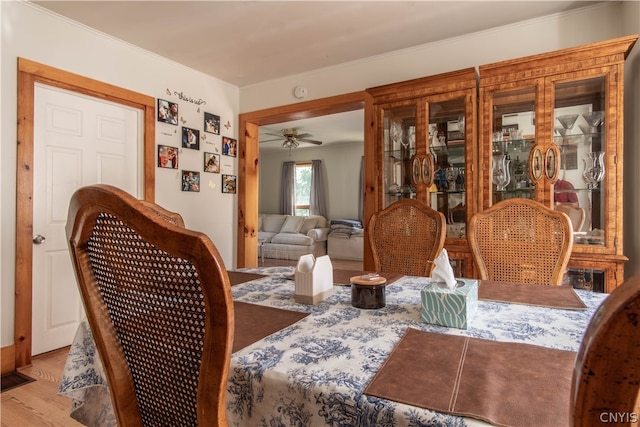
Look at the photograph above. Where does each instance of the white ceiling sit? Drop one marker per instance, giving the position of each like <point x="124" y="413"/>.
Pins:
<point x="249" y="42"/>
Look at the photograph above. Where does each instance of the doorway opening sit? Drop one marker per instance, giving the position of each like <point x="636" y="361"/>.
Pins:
<point x="248" y="189"/>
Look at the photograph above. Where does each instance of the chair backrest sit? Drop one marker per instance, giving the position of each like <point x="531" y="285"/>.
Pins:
<point x="606" y="377"/>
<point x="158" y="300"/>
<point x="575" y="213"/>
<point x="406" y="237"/>
<point x="521" y="241"/>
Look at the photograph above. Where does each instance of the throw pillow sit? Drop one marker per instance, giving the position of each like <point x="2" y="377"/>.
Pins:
<point x="292" y="224"/>
<point x="309" y="224"/>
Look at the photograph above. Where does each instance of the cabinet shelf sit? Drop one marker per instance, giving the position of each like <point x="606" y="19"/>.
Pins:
<point x="576" y="140"/>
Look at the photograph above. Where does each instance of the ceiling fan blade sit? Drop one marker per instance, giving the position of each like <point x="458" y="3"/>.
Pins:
<point x="310" y="141"/>
<point x="274" y="134"/>
<point x="270" y="140"/>
<point x="303" y="135"/>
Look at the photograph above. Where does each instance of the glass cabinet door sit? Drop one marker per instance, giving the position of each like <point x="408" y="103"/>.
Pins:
<point x="580" y="136"/>
<point x="516" y="161"/>
<point x="399" y="135"/>
<point x="447" y="145"/>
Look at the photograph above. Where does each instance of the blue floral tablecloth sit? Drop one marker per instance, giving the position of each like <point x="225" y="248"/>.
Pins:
<point x="313" y="373"/>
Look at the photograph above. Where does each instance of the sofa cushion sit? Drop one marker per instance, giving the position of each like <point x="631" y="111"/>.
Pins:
<point x="292" y="224"/>
<point x="265" y="235"/>
<point x="309" y="223"/>
<point x="292" y="239"/>
<point x="272" y="223"/>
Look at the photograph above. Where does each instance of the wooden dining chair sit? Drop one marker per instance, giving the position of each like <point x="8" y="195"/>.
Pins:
<point x="406" y="237"/>
<point x="606" y="379"/>
<point x="576" y="214"/>
<point x="158" y="301"/>
<point x="521" y="241"/>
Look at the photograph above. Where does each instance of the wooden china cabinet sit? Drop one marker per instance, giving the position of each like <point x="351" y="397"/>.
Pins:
<point x="551" y="130"/>
<point x="425" y="133"/>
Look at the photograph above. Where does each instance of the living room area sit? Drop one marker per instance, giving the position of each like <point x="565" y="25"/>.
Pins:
<point x="335" y="143"/>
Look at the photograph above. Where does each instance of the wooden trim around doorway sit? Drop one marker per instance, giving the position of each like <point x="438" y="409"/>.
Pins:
<point x="248" y="167"/>
<point x="29" y="73"/>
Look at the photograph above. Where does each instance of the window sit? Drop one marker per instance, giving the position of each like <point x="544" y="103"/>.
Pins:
<point x="303" y="188"/>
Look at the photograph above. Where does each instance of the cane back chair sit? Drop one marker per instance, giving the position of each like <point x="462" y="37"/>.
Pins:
<point x="576" y="214"/>
<point x="606" y="377"/>
<point x="406" y="237"/>
<point x="158" y="301"/>
<point x="522" y="241"/>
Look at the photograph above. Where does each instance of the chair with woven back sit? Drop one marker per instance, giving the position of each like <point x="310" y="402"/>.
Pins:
<point x="521" y="241"/>
<point x="606" y="380"/>
<point x="406" y="237"/>
<point x="158" y="301"/>
<point x="576" y="214"/>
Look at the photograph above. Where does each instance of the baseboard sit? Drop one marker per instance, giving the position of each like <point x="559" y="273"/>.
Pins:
<point x="8" y="359"/>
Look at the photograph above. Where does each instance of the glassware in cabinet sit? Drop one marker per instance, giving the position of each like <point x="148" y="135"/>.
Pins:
<point x="399" y="135"/>
<point x="448" y="147"/>
<point x="515" y="168"/>
<point x="579" y="134"/>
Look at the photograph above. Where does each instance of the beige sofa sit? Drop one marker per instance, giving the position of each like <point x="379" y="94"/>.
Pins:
<point x="289" y="237"/>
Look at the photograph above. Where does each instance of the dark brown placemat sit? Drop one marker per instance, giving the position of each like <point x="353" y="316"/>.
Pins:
<point x="254" y="322"/>
<point x="545" y="296"/>
<point x="341" y="277"/>
<point x="237" y="277"/>
<point x="506" y="384"/>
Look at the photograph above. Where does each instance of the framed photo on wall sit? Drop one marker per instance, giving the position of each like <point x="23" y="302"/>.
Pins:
<point x="212" y="162"/>
<point x="190" y="181"/>
<point x="211" y="123"/>
<point x="229" y="146"/>
<point x="167" y="112"/>
<point x="229" y="184"/>
<point x="167" y="157"/>
<point x="190" y="138"/>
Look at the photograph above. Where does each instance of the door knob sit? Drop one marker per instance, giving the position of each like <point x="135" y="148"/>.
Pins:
<point x="38" y="239"/>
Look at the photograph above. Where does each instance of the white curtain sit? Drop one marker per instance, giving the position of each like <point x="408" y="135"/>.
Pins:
<point x="317" y="202"/>
<point x="288" y="197"/>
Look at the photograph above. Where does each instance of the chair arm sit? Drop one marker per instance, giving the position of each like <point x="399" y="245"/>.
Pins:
<point x="319" y="234"/>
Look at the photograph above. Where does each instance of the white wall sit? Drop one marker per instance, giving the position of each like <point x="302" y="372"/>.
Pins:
<point x="553" y="32"/>
<point x="37" y="35"/>
<point x="342" y="174"/>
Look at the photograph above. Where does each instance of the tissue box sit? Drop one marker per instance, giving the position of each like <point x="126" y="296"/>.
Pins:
<point x="450" y="307"/>
<point x="314" y="279"/>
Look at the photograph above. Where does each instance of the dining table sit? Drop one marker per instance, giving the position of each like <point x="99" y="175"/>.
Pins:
<point x="320" y="368"/>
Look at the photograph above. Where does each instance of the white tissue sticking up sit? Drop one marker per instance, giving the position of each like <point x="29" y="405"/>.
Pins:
<point x="443" y="271"/>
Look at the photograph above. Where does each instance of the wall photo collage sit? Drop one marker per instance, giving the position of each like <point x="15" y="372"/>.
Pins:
<point x="190" y="137"/>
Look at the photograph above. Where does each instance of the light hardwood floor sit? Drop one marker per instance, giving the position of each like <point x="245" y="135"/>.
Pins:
<point x="38" y="404"/>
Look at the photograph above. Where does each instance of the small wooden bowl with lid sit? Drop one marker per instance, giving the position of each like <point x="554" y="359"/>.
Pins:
<point x="368" y="291"/>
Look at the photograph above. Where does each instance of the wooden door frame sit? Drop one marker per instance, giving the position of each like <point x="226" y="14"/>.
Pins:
<point x="248" y="168"/>
<point x="29" y="73"/>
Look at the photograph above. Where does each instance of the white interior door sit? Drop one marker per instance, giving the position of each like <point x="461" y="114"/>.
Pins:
<point x="78" y="140"/>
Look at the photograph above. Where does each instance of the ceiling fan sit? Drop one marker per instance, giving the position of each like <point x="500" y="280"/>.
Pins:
<point x="291" y="138"/>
